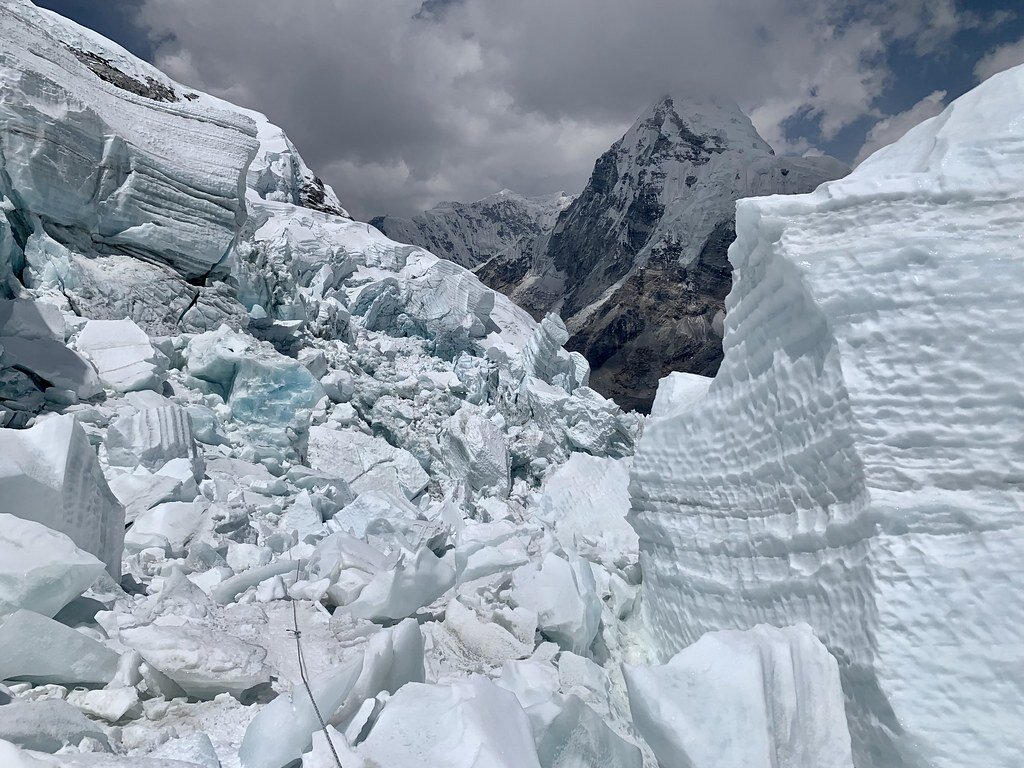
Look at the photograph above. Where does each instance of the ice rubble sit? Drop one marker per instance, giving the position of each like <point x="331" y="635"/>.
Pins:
<point x="855" y="464"/>
<point x="303" y="424"/>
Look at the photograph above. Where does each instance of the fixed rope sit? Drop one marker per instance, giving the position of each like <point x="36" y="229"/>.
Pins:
<point x="305" y="677"/>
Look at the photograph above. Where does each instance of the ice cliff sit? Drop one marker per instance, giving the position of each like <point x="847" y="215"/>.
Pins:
<point x="856" y="463"/>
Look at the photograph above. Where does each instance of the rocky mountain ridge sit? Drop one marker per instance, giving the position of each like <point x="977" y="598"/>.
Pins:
<point x="637" y="264"/>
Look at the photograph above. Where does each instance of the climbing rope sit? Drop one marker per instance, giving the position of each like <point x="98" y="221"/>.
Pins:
<point x="305" y="677"/>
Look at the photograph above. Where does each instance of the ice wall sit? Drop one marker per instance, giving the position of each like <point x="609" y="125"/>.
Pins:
<point x="857" y="463"/>
<point x="104" y="149"/>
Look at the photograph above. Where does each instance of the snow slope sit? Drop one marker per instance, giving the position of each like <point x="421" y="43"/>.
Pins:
<point x="500" y="233"/>
<point x="856" y="464"/>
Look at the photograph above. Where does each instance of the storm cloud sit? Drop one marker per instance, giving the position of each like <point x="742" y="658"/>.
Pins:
<point x="403" y="103"/>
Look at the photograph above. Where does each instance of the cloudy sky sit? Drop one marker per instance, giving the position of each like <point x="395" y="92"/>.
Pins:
<point x="403" y="103"/>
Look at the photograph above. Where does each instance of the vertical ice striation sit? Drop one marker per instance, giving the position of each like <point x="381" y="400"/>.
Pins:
<point x="857" y="463"/>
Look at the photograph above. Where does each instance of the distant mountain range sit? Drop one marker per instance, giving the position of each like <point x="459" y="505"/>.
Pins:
<point x="637" y="264"/>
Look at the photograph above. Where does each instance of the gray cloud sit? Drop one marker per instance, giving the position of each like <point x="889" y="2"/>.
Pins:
<point x="402" y="103"/>
<point x="886" y="131"/>
<point x="1003" y="57"/>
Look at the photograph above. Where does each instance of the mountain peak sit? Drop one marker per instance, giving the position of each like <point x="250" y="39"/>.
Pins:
<point x="699" y="120"/>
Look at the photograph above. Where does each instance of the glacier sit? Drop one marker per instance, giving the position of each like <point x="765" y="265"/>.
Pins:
<point x="856" y="463"/>
<point x="302" y="451"/>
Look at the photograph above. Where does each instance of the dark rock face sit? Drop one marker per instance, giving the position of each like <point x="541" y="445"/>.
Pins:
<point x="638" y="265"/>
<point x="104" y="70"/>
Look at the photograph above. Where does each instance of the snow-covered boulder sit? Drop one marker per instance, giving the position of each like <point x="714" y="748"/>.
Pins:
<point x="152" y="437"/>
<point x="855" y="464"/>
<point x="122" y="354"/>
<point x="468" y="724"/>
<point x="365" y="462"/>
<point x="41" y="650"/>
<point x="49" y="474"/>
<point x="40" y="569"/>
<point x="758" y="698"/>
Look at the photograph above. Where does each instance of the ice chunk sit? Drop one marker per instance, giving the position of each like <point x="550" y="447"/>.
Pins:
<point x="28" y="319"/>
<point x="284" y="728"/>
<point x="468" y="724"/>
<point x="141" y="490"/>
<point x="391" y="658"/>
<point x="203" y="661"/>
<point x="122" y="354"/>
<point x="569" y="734"/>
<point x="586" y="500"/>
<point x="194" y="748"/>
<point x="13" y="757"/>
<point x="338" y="386"/>
<point x="41" y="650"/>
<point x="487" y="641"/>
<point x="564" y="595"/>
<point x="544" y="358"/>
<point x="169" y="526"/>
<point x="40" y="569"/>
<point x="477" y="453"/>
<point x="856" y="461"/>
<point x="678" y="392"/>
<point x="111" y="705"/>
<point x="52" y="362"/>
<point x="416" y="580"/>
<point x="272" y="394"/>
<point x="358" y="516"/>
<point x="365" y="462"/>
<point x="46" y="725"/>
<point x="151" y="438"/>
<point x="49" y="474"/>
<point x="532" y="681"/>
<point x="759" y="698"/>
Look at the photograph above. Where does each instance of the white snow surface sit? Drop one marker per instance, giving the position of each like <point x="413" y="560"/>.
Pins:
<point x="856" y="462"/>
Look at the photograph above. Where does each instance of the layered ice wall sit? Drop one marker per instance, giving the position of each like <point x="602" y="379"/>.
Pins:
<point x="119" y="156"/>
<point x="857" y="464"/>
